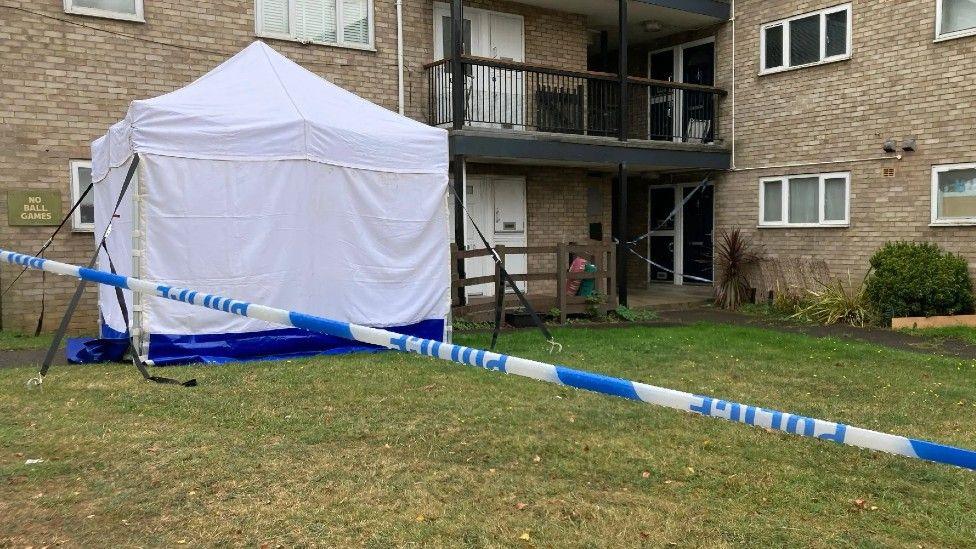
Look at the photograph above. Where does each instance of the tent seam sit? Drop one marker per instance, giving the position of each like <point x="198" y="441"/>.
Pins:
<point x="301" y="115"/>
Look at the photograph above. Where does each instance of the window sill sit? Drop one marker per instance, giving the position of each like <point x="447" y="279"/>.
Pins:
<point x="960" y="223"/>
<point x="803" y="226"/>
<point x="778" y="70"/>
<point x="953" y="35"/>
<point x="360" y="47"/>
<point x="134" y="18"/>
<point x="83" y="230"/>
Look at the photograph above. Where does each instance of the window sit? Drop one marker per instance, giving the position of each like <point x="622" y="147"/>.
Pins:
<point x="812" y="200"/>
<point x="954" y="194"/>
<point x="347" y="23"/>
<point x="130" y="10"/>
<point x="808" y="39"/>
<point x="955" y="18"/>
<point x="83" y="218"/>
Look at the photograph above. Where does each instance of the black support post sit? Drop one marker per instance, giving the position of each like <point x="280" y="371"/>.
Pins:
<point x="457" y="68"/>
<point x="457" y="173"/>
<point x="621" y="218"/>
<point x="622" y="69"/>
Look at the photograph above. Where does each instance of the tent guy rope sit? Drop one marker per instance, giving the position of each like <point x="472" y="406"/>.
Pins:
<point x="560" y="375"/>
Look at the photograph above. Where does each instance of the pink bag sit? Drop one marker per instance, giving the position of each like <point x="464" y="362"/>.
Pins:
<point x="578" y="266"/>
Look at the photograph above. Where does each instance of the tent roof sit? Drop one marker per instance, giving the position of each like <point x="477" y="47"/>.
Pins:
<point x="259" y="105"/>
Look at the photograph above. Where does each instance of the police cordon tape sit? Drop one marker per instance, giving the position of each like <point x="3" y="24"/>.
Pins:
<point x="560" y="375"/>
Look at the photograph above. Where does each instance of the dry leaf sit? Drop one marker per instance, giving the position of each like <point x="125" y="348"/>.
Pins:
<point x="520" y="506"/>
<point x="861" y="503"/>
<point x="646" y="474"/>
<point x="537" y="459"/>
<point x="525" y="536"/>
<point x="420" y="518"/>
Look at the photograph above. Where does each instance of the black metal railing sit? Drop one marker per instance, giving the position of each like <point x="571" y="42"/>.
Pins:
<point x="505" y="94"/>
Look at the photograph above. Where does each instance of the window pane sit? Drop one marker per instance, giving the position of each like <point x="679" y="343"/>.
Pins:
<point x="87" y="207"/>
<point x="119" y="6"/>
<point x="956" y="194"/>
<point x="773" y="201"/>
<point x="774" y="47"/>
<point x="835" y="199"/>
<point x="836" y="33"/>
<point x="316" y="20"/>
<point x="804" y="200"/>
<point x="805" y="40"/>
<point x="355" y="19"/>
<point x="274" y="16"/>
<point x="958" y="15"/>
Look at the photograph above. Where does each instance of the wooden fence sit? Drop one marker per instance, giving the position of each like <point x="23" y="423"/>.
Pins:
<point x="603" y="257"/>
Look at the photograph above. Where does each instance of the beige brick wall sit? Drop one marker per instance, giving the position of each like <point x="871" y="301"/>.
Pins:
<point x="65" y="78"/>
<point x="898" y="83"/>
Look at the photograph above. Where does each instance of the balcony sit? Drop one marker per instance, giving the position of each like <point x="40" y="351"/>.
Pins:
<point x="519" y="96"/>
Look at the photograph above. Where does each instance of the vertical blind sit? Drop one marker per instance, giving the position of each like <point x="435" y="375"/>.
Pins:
<point x="317" y="20"/>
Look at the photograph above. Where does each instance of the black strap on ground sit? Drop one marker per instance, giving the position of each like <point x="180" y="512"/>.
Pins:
<point x="507" y="278"/>
<point x="50" y="240"/>
<point x="131" y="348"/>
<point x="40" y="317"/>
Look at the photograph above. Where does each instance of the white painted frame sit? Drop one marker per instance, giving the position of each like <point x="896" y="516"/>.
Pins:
<point x="939" y="35"/>
<point x="340" y="24"/>
<point x="785" y="180"/>
<point x="823" y="40"/>
<point x="76" y="224"/>
<point x="952" y="221"/>
<point x="138" y="16"/>
<point x="677" y="117"/>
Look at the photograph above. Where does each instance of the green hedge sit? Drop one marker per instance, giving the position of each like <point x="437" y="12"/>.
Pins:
<point x="918" y="279"/>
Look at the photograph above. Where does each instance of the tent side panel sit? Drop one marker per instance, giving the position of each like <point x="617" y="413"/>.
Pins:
<point x="119" y="244"/>
<point x="355" y="245"/>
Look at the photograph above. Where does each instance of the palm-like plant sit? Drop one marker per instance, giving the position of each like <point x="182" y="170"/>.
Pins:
<point x="735" y="256"/>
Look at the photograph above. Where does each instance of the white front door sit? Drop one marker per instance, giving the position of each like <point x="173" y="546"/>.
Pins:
<point x="497" y="206"/>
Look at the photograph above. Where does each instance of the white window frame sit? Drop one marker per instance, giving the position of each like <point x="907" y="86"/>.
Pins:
<point x="823" y="40"/>
<point x="340" y="24"/>
<point x="952" y="221"/>
<point x="939" y="35"/>
<point x="76" y="224"/>
<point x="138" y="16"/>
<point x="785" y="179"/>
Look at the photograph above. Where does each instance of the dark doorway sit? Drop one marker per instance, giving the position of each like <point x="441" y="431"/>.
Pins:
<point x="662" y="99"/>
<point x="661" y="240"/>
<point x="697" y="235"/>
<point x="698" y="67"/>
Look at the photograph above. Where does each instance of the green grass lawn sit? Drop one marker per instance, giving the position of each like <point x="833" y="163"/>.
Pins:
<point x="962" y="333"/>
<point x="16" y="341"/>
<point x="392" y="449"/>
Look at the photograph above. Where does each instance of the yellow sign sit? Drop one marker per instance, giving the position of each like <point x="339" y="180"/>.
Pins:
<point x="33" y="208"/>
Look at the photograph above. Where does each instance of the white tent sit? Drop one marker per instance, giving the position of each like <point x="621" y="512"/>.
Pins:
<point x="264" y="182"/>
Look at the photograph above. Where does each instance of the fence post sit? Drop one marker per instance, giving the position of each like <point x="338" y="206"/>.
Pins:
<point x="562" y="258"/>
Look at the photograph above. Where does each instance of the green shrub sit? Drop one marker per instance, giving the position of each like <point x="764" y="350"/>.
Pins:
<point x="918" y="279"/>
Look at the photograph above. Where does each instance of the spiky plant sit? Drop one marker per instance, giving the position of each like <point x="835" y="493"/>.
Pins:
<point x="735" y="256"/>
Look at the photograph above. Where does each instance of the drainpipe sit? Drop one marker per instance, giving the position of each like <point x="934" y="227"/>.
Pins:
<point x="399" y="23"/>
<point x="732" y="19"/>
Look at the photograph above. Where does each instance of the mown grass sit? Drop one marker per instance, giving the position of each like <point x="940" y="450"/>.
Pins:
<point x="391" y="450"/>
<point x="17" y="341"/>
<point x="963" y="333"/>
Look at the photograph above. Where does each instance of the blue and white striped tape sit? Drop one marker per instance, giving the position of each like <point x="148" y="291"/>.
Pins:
<point x="560" y="375"/>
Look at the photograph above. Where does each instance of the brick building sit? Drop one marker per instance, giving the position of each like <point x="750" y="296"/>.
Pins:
<point x="752" y="100"/>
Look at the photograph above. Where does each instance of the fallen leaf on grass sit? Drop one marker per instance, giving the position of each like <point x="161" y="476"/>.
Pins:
<point x="537" y="459"/>
<point x="646" y="474"/>
<point x="420" y="518"/>
<point x="525" y="536"/>
<point x="520" y="506"/>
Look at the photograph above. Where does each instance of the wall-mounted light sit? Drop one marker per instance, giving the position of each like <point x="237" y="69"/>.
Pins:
<point x="652" y="26"/>
<point x="889" y="146"/>
<point x="909" y="144"/>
